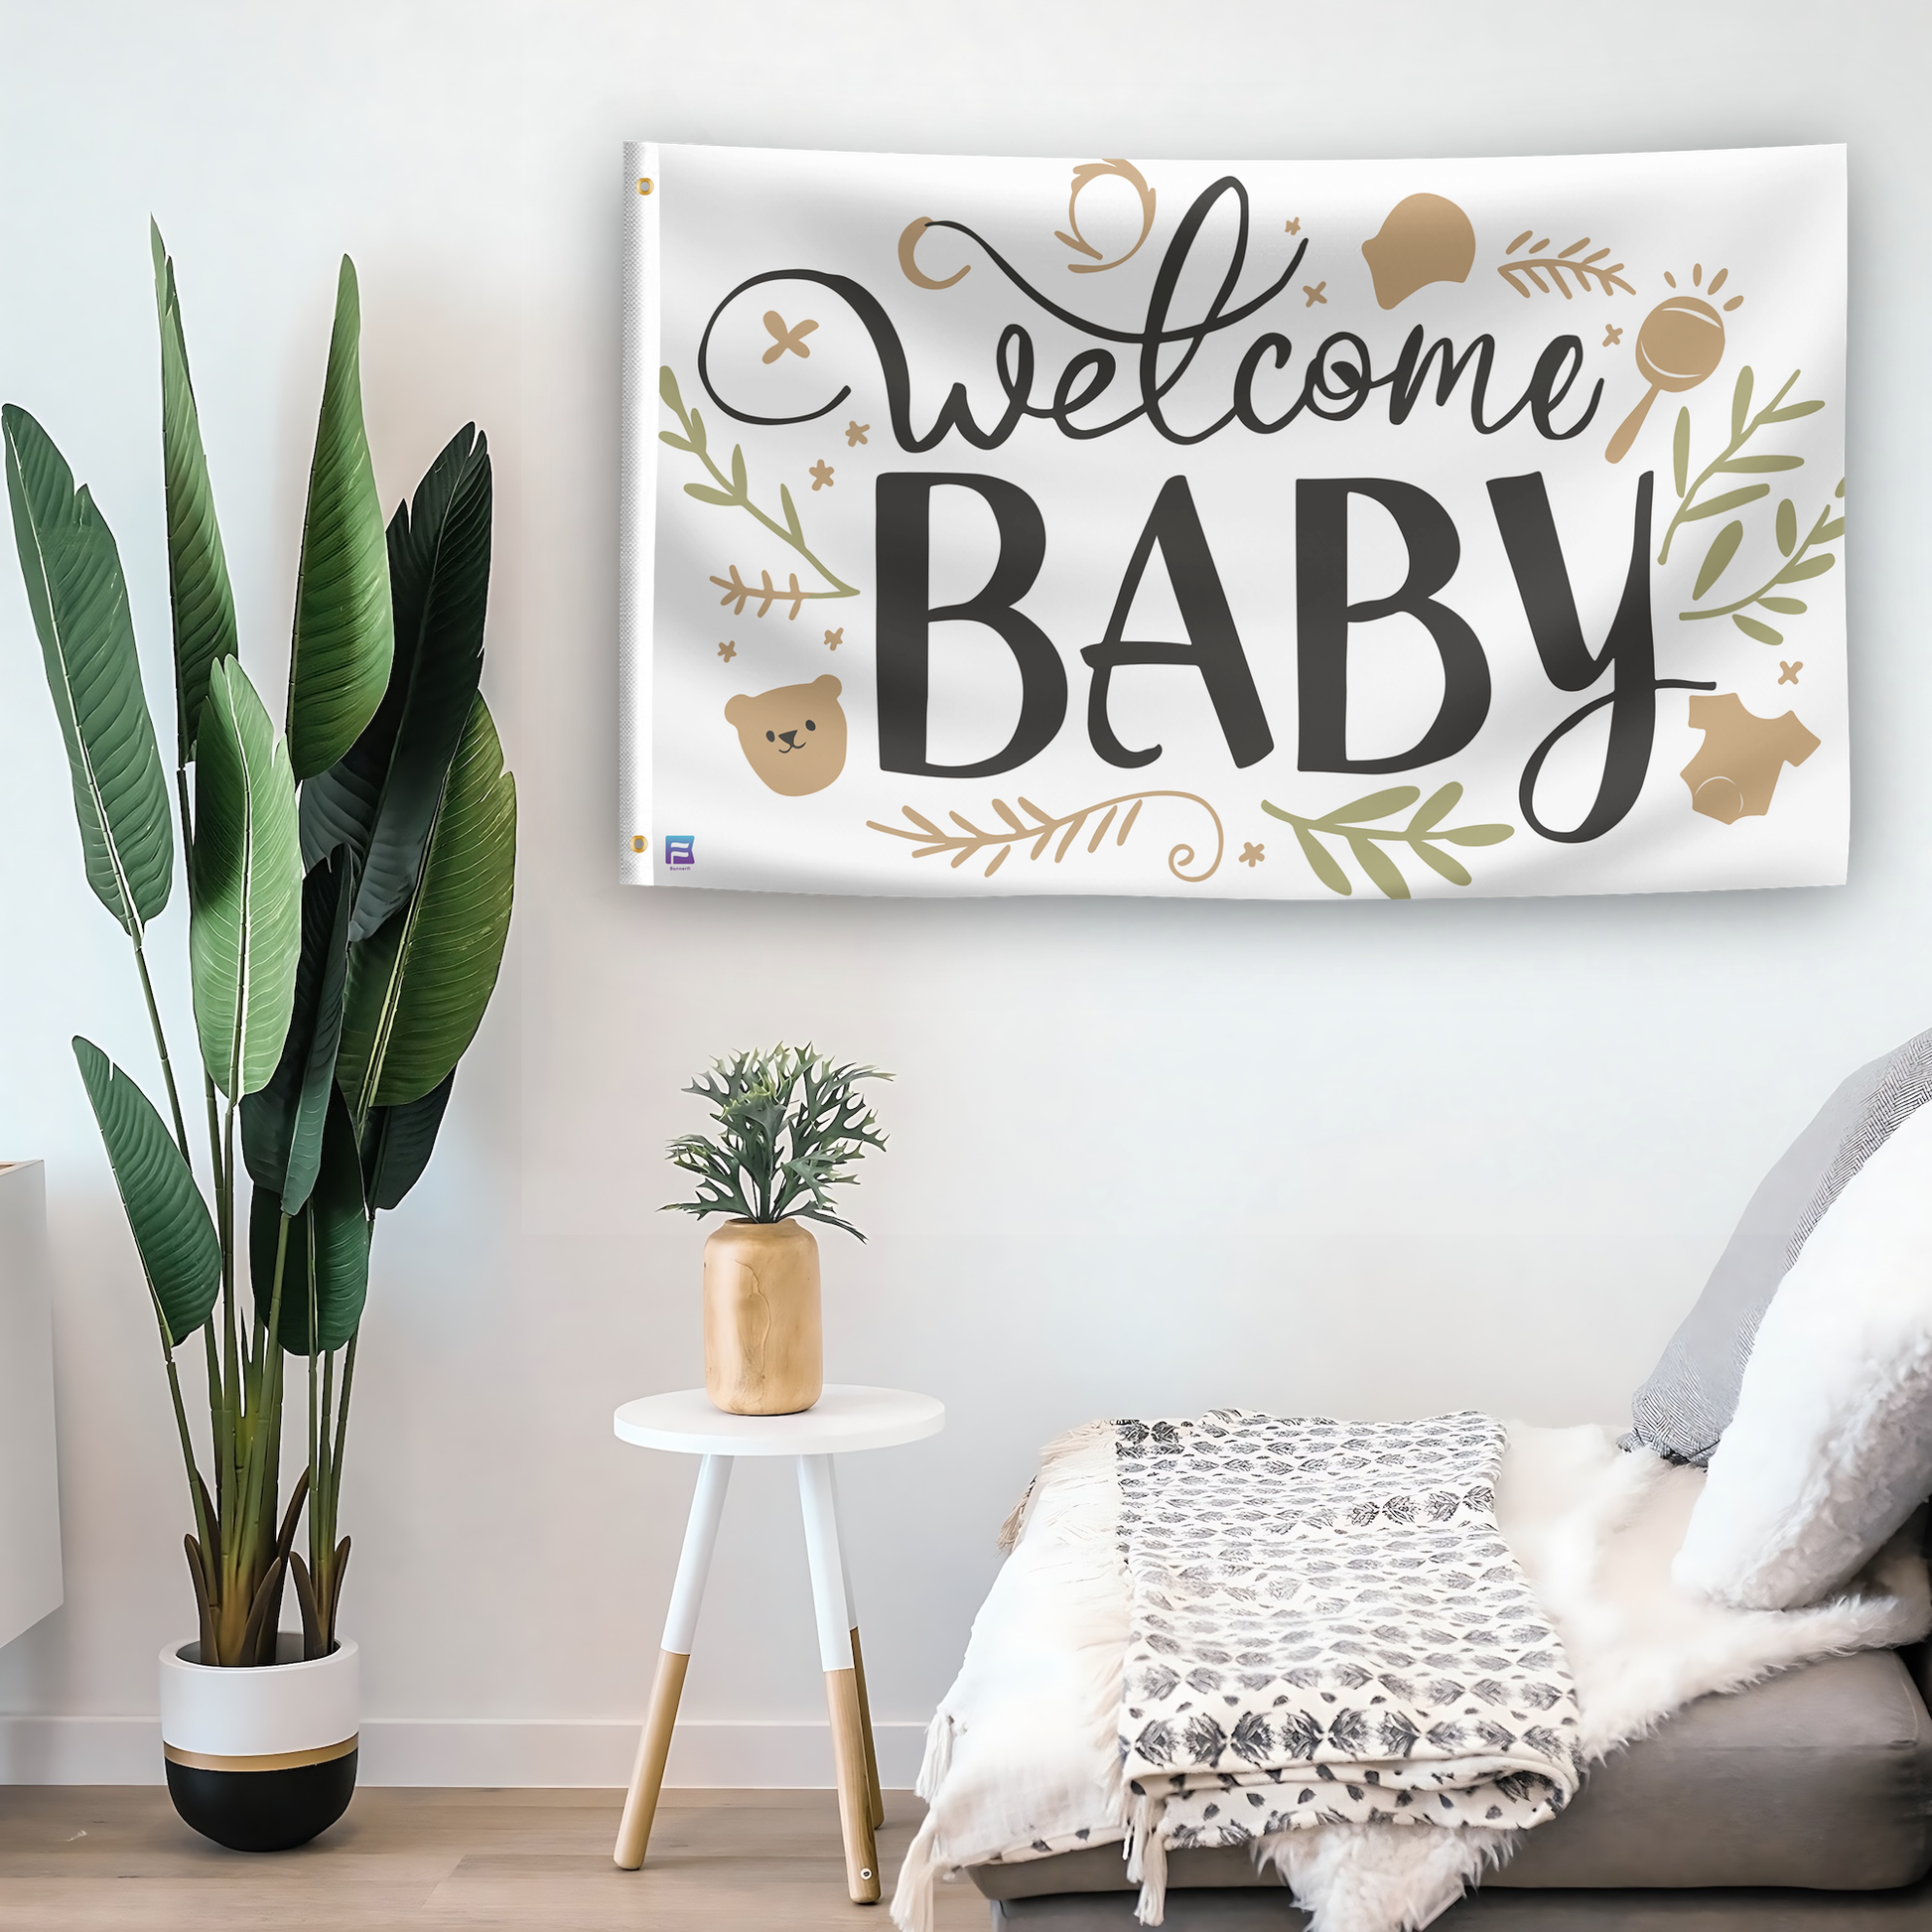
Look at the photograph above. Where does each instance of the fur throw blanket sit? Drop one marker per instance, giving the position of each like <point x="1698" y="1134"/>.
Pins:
<point x="1023" y="1755"/>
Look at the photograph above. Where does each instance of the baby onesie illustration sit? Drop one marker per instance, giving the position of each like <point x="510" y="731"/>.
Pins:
<point x="794" y="737"/>
<point x="1734" y="773"/>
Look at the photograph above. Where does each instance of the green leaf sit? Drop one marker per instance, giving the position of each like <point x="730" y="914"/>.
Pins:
<point x="281" y="1126"/>
<point x="245" y="880"/>
<point x="380" y="797"/>
<point x="173" y="1232"/>
<point x="1762" y="462"/>
<point x="1724" y="546"/>
<point x="1830" y="532"/>
<point x="667" y="389"/>
<point x="1731" y="499"/>
<point x="326" y="1262"/>
<point x="1478" y="834"/>
<point x="1321" y="862"/>
<point x="1787" y="606"/>
<point x="1435" y="857"/>
<point x="1787" y="526"/>
<point x="198" y="571"/>
<point x="1792" y="412"/>
<point x="78" y="600"/>
<point x="1813" y="566"/>
<point x="1379" y="866"/>
<point x="706" y="494"/>
<point x="739" y="484"/>
<point x="791" y="509"/>
<point x="1377" y="805"/>
<point x="675" y="440"/>
<point x="343" y="633"/>
<point x="1680" y="450"/>
<point x="1436" y="808"/>
<point x="418" y="987"/>
<point x="1740" y="403"/>
<point x="398" y="1143"/>
<point x="1761" y="632"/>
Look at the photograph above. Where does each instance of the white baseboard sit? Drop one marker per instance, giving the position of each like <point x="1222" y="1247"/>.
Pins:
<point x="480" y="1751"/>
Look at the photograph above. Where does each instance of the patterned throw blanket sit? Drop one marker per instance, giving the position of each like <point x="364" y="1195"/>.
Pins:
<point x="1327" y="1627"/>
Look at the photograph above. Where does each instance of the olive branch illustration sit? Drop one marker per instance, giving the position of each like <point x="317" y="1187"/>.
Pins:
<point x="1798" y="565"/>
<point x="733" y="492"/>
<point x="1728" y="461"/>
<point x="1350" y="823"/>
<point x="1039" y="828"/>
<point x="1538" y="264"/>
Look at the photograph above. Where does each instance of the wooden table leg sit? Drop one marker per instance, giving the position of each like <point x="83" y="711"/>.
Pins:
<point x="680" y="1626"/>
<point x="878" y="1797"/>
<point x="820" y="1511"/>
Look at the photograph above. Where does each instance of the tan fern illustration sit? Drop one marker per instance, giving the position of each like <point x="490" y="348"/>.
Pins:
<point x="1040" y="827"/>
<point x="1588" y="270"/>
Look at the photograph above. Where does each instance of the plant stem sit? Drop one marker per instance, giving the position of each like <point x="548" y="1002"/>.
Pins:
<point x="1796" y="557"/>
<point x="161" y="1047"/>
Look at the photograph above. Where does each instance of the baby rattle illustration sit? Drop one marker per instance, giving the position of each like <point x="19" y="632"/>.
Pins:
<point x="794" y="736"/>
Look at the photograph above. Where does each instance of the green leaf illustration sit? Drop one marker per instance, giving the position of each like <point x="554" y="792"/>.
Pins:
<point x="1761" y="632"/>
<point x="1806" y="567"/>
<point x="1434" y="856"/>
<point x="1731" y="499"/>
<point x="1377" y="805"/>
<point x="1320" y="860"/>
<point x="1785" y="607"/>
<point x="1787" y="526"/>
<point x="179" y="1252"/>
<point x="78" y="598"/>
<point x="1724" y="546"/>
<point x="1679" y="451"/>
<point x="1379" y="866"/>
<point x="345" y="633"/>
<point x="1740" y="403"/>
<point x="1436" y="808"/>
<point x="1761" y="464"/>
<point x="706" y="494"/>
<point x="1478" y="834"/>
<point x="1790" y="413"/>
<point x="198" y="593"/>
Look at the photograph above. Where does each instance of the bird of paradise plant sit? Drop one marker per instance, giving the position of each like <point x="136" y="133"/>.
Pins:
<point x="349" y="884"/>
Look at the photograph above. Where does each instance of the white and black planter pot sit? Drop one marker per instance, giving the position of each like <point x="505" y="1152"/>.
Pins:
<point x="260" y="1760"/>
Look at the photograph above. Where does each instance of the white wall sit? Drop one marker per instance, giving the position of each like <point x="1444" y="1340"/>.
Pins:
<point x="1360" y="1156"/>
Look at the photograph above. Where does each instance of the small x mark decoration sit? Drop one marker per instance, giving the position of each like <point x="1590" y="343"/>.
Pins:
<point x="855" y="434"/>
<point x="821" y="474"/>
<point x="1612" y="336"/>
<point x="784" y="338"/>
<point x="728" y="651"/>
<point x="834" y="638"/>
<point x="1315" y="295"/>
<point x="1295" y="227"/>
<point x="1253" y="854"/>
<point x="1788" y="673"/>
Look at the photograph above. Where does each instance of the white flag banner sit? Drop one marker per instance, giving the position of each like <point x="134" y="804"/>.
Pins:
<point x="1249" y="529"/>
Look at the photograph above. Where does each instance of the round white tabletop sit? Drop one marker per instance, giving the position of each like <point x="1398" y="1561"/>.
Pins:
<point x="843" y="1418"/>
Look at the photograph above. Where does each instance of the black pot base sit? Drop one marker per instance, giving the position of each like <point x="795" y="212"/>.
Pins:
<point x="263" y="1811"/>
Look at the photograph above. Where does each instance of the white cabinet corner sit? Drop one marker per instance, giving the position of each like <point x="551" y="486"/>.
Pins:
<point x="30" y="1497"/>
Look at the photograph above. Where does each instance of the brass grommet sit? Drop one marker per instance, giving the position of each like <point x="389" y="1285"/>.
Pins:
<point x="638" y="843"/>
<point x="644" y="183"/>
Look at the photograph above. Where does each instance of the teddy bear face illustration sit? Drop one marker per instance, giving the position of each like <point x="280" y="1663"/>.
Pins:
<point x="793" y="736"/>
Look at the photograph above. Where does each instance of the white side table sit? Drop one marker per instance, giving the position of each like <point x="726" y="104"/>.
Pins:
<point x="843" y="1418"/>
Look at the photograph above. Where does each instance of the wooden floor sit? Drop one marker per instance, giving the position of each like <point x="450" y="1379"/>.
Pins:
<point x="112" y="1858"/>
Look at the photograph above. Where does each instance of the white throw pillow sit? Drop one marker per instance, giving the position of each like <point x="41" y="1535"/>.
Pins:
<point x="1831" y="1448"/>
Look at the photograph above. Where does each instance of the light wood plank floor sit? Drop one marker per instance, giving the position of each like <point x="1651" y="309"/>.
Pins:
<point x="112" y="1858"/>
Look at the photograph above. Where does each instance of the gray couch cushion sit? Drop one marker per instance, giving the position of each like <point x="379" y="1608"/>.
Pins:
<point x="1819" y="1778"/>
<point x="1692" y="1393"/>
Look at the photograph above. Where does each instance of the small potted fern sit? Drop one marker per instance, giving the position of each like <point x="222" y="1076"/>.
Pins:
<point x="790" y="1127"/>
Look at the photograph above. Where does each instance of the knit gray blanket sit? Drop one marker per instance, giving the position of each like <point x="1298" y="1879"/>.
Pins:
<point x="1327" y="1627"/>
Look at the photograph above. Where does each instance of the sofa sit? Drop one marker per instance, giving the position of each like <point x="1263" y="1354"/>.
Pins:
<point x="1801" y="1804"/>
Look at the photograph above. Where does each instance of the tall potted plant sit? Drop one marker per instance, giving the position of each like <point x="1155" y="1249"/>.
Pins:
<point x="791" y="1126"/>
<point x="350" y="884"/>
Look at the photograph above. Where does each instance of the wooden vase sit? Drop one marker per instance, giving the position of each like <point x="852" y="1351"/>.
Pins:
<point x="764" y="1344"/>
